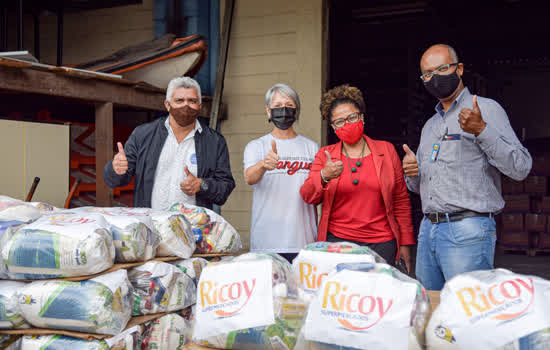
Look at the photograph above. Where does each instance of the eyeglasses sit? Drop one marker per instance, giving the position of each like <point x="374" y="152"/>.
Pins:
<point x="352" y="118"/>
<point x="443" y="69"/>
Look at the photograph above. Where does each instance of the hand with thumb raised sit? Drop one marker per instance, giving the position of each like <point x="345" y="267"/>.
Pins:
<point x="410" y="165"/>
<point x="272" y="159"/>
<point x="470" y="120"/>
<point x="332" y="169"/>
<point x="120" y="162"/>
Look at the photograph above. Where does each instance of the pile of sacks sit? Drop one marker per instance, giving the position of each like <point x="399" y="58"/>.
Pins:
<point x="104" y="305"/>
<point x="38" y="241"/>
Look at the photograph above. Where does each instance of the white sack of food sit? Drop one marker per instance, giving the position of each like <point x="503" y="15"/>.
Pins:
<point x="316" y="260"/>
<point x="67" y="244"/>
<point x="130" y="339"/>
<point x="160" y="287"/>
<point x="169" y="332"/>
<point x="252" y="301"/>
<point x="12" y="209"/>
<point x="212" y="232"/>
<point x="175" y="231"/>
<point x="60" y="342"/>
<point x="45" y="208"/>
<point x="489" y="310"/>
<point x="191" y="267"/>
<point x="9" y="315"/>
<point x="101" y="305"/>
<point x="368" y="306"/>
<point x="134" y="235"/>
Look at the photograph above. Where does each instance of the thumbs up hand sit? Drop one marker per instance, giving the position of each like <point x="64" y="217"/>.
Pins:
<point x="332" y="169"/>
<point x="470" y="120"/>
<point x="272" y="159"/>
<point x="410" y="165"/>
<point x="120" y="163"/>
<point x="191" y="185"/>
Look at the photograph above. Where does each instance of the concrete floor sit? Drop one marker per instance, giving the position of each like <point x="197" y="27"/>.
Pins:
<point x="519" y="262"/>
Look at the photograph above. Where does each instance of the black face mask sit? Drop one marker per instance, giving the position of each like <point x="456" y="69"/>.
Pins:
<point x="283" y="117"/>
<point x="441" y="86"/>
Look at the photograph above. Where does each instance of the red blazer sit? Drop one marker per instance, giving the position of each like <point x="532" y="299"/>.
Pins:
<point x="392" y="184"/>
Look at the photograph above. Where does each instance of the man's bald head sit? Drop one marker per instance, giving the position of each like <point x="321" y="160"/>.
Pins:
<point x="437" y="55"/>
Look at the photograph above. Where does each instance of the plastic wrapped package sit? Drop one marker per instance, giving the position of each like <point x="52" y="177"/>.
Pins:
<point x="134" y="236"/>
<point x="67" y="244"/>
<point x="191" y="267"/>
<point x="12" y="209"/>
<point x="213" y="233"/>
<point x="363" y="305"/>
<point x="101" y="305"/>
<point x="316" y="260"/>
<point x="489" y="310"/>
<point x="169" y="332"/>
<point x="175" y="231"/>
<point x="160" y="287"/>
<point x="9" y="315"/>
<point x="130" y="339"/>
<point x="44" y="208"/>
<point x="252" y="301"/>
<point x="60" y="342"/>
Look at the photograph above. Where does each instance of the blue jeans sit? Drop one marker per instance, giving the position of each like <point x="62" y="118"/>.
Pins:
<point x="451" y="248"/>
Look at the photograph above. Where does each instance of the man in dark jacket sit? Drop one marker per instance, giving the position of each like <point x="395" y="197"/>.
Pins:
<point x="176" y="158"/>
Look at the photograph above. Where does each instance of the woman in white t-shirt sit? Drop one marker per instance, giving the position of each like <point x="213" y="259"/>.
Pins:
<point x="277" y="165"/>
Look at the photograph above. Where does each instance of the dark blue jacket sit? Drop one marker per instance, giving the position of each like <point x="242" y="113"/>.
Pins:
<point x="143" y="152"/>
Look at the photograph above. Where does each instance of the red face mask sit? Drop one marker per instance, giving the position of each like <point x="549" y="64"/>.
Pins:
<point x="350" y="133"/>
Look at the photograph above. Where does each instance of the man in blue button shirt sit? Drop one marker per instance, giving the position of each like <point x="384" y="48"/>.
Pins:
<point x="464" y="148"/>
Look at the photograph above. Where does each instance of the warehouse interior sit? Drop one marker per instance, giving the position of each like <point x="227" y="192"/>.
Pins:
<point x="377" y="45"/>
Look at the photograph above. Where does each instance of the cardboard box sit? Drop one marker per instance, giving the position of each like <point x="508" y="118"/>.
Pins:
<point x="512" y="222"/>
<point x="535" y="222"/>
<point x="536" y="185"/>
<point x="510" y="186"/>
<point x="518" y="203"/>
<point x="514" y="239"/>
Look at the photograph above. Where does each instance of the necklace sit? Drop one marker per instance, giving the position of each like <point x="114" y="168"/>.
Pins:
<point x="358" y="163"/>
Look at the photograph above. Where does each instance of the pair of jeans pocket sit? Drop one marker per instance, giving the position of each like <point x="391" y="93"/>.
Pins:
<point x="472" y="230"/>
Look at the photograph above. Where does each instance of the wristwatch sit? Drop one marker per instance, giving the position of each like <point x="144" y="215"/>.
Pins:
<point x="204" y="185"/>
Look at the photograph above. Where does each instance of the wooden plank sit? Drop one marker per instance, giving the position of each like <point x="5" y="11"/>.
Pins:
<point x="103" y="151"/>
<point x="71" y="86"/>
<point x="222" y="63"/>
<point x="134" y="321"/>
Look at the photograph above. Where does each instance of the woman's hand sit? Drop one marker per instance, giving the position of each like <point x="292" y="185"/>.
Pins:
<point x="332" y="169"/>
<point x="405" y="254"/>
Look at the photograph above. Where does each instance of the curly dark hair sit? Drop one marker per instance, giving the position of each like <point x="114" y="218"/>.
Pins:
<point x="339" y="95"/>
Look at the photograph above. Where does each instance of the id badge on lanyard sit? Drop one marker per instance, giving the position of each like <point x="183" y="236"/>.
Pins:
<point x="436" y="147"/>
<point x="435" y="152"/>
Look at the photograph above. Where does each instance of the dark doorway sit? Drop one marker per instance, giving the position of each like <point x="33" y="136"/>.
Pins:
<point x="376" y="45"/>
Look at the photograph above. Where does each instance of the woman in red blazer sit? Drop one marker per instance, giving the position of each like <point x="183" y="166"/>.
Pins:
<point x="360" y="183"/>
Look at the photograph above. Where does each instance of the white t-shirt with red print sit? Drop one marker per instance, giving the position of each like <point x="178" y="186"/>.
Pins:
<point x="281" y="221"/>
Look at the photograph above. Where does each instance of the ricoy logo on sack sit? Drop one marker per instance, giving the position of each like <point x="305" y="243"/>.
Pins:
<point x="310" y="279"/>
<point x="62" y="220"/>
<point x="353" y="310"/>
<point x="502" y="301"/>
<point x="227" y="299"/>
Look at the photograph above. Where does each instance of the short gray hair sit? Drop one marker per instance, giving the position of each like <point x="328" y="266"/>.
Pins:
<point x="185" y="82"/>
<point x="286" y="90"/>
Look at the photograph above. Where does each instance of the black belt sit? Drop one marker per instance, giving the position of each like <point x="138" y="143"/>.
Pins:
<point x="436" y="218"/>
